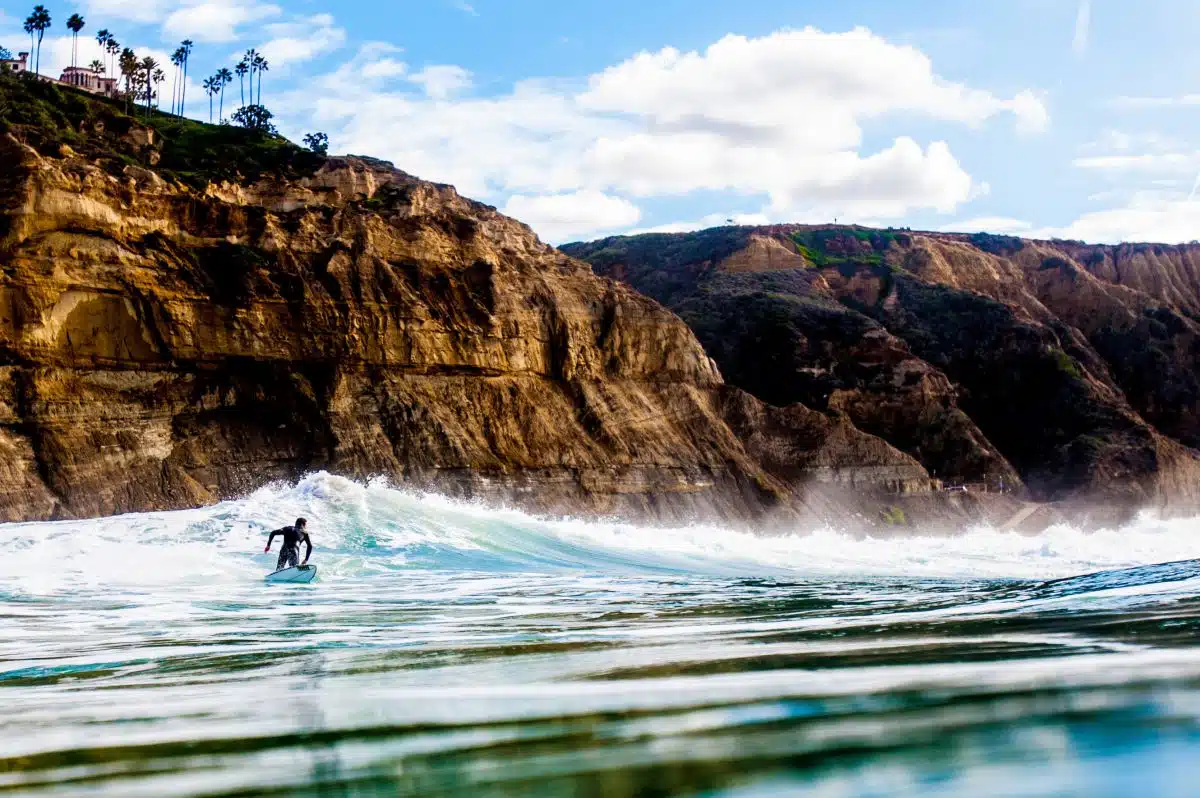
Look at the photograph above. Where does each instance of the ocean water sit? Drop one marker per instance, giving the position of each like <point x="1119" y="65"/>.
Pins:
<point x="449" y="649"/>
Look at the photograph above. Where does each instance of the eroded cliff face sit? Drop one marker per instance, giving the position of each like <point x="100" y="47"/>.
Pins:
<point x="164" y="346"/>
<point x="1067" y="370"/>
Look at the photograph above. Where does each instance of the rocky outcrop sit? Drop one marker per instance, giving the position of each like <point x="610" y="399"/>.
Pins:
<point x="165" y="344"/>
<point x="1065" y="370"/>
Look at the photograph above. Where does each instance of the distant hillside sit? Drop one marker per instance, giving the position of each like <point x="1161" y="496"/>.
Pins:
<point x="1068" y="368"/>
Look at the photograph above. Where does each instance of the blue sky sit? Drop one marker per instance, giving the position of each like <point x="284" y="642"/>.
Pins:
<point x="1071" y="118"/>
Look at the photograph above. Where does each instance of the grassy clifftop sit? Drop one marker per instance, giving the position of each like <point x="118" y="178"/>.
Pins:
<point x="46" y="117"/>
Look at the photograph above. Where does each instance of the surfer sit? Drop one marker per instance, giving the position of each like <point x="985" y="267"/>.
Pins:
<point x="292" y="536"/>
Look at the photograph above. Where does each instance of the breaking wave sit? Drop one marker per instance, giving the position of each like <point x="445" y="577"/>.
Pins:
<point x="359" y="529"/>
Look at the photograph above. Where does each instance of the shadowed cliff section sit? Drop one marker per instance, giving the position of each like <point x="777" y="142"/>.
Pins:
<point x="177" y="327"/>
<point x="1064" y="369"/>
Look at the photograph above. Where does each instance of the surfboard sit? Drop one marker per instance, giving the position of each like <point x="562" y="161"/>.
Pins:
<point x="297" y="574"/>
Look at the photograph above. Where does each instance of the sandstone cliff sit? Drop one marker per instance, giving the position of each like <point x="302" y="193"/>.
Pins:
<point x="179" y="327"/>
<point x="1060" y="369"/>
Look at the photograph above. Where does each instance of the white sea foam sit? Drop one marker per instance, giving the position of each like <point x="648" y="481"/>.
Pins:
<point x="358" y="528"/>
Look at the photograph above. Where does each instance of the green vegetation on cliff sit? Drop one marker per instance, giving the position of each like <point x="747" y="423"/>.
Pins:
<point x="839" y="246"/>
<point x="46" y="117"/>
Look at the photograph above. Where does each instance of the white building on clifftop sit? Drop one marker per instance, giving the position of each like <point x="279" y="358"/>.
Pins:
<point x="86" y="79"/>
<point x="18" y="64"/>
<point x="79" y="77"/>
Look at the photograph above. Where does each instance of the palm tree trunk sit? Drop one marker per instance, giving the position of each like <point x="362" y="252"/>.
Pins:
<point x="221" y="104"/>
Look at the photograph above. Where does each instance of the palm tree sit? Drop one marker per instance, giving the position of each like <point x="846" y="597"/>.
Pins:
<point x="241" y="69"/>
<point x="208" y="89"/>
<point x="129" y="69"/>
<point x="113" y="47"/>
<point x="250" y="59"/>
<point x="75" y="24"/>
<point x="159" y="77"/>
<point x="186" y="46"/>
<point x="97" y="66"/>
<point x="148" y="66"/>
<point x="225" y="77"/>
<point x="30" y="30"/>
<point x="177" y="60"/>
<point x="38" y="21"/>
<point x="102" y="37"/>
<point x="262" y="66"/>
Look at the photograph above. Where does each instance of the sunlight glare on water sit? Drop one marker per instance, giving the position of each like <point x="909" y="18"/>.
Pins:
<point x="452" y="649"/>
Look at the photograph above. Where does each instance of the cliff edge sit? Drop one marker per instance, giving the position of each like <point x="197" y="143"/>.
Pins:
<point x="188" y="312"/>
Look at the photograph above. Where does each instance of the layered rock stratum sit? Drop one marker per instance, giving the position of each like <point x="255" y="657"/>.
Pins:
<point x="1059" y="370"/>
<point x="178" y="326"/>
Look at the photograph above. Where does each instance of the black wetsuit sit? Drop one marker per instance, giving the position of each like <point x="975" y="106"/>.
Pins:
<point x="289" y="554"/>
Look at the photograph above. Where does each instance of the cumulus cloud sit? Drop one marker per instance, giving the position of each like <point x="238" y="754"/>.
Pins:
<point x="559" y="217"/>
<point x="301" y="39"/>
<point x="215" y="20"/>
<point x="150" y="11"/>
<point x="384" y="68"/>
<point x="779" y="85"/>
<point x="1160" y="217"/>
<point x="440" y="82"/>
<point x="779" y="118"/>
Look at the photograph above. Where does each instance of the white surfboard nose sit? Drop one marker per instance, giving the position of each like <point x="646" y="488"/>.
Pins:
<point x="295" y="574"/>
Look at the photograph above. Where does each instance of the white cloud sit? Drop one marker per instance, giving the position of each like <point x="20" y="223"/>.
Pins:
<point x="385" y="68"/>
<point x="1083" y="23"/>
<point x="1148" y="216"/>
<point x="559" y="217"/>
<point x="301" y="40"/>
<point x="1155" y="162"/>
<point x="711" y="220"/>
<point x="1032" y="115"/>
<point x="774" y="85"/>
<point x="440" y="82"/>
<point x="147" y="12"/>
<point x="990" y="224"/>
<point x="465" y="7"/>
<point x="215" y="20"/>
<point x="1122" y="141"/>
<point x="777" y="118"/>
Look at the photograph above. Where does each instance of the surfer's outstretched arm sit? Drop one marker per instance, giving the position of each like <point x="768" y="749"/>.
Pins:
<point x="307" y="548"/>
<point x="271" y="539"/>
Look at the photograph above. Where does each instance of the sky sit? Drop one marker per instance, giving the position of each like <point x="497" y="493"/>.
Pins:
<point x="1042" y="118"/>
